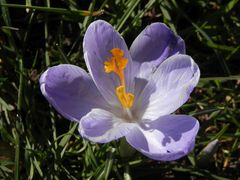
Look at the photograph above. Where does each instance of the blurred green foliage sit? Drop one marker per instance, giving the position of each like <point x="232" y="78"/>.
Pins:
<point x="37" y="143"/>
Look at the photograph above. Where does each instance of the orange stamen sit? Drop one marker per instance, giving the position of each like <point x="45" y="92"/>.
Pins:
<point x="117" y="64"/>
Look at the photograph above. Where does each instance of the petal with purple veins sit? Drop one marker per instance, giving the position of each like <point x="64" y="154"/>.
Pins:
<point x="167" y="138"/>
<point x="154" y="45"/>
<point x="71" y="91"/>
<point x="99" y="40"/>
<point x="102" y="126"/>
<point x="169" y="87"/>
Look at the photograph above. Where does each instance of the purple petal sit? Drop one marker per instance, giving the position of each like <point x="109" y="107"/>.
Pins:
<point x="99" y="40"/>
<point x="167" y="138"/>
<point x="156" y="42"/>
<point x="169" y="87"/>
<point x="102" y="126"/>
<point x="71" y="91"/>
<point x="153" y="45"/>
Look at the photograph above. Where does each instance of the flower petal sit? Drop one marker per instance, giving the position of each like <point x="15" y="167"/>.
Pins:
<point x="169" y="87"/>
<point x="71" y="91"/>
<point x="102" y="126"/>
<point x="153" y="45"/>
<point x="99" y="40"/>
<point x="168" y="138"/>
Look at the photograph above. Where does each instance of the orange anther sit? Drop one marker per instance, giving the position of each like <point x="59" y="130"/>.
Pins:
<point x="126" y="99"/>
<point x="117" y="63"/>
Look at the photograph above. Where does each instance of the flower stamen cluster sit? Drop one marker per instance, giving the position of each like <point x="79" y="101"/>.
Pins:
<point x="117" y="64"/>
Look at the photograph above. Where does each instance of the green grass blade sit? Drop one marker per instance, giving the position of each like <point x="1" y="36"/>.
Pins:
<point x="7" y="21"/>
<point x="230" y="6"/>
<point x="126" y="14"/>
<point x="17" y="153"/>
<point x="109" y="164"/>
<point x="126" y="174"/>
<point x="54" y="10"/>
<point x="235" y="77"/>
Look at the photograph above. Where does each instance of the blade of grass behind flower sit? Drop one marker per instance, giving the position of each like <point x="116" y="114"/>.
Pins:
<point x="90" y="157"/>
<point x="65" y="139"/>
<point x="27" y="33"/>
<point x="207" y="38"/>
<point x="139" y="15"/>
<point x="230" y="6"/>
<point x="88" y="19"/>
<point x="233" y="77"/>
<point x="126" y="14"/>
<point x="36" y="164"/>
<point x="202" y="173"/>
<point x="166" y="16"/>
<point x="109" y="164"/>
<point x="28" y="3"/>
<point x="68" y="135"/>
<point x="17" y="153"/>
<point x="47" y="60"/>
<point x="54" y="10"/>
<point x="233" y="52"/>
<point x="64" y="58"/>
<point x="221" y="60"/>
<point x="126" y="174"/>
<point x="221" y="132"/>
<point x="7" y="21"/>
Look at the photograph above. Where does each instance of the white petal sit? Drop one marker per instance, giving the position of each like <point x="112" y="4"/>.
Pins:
<point x="169" y="87"/>
<point x="100" y="38"/>
<point x="167" y="138"/>
<point x="71" y="91"/>
<point x="102" y="126"/>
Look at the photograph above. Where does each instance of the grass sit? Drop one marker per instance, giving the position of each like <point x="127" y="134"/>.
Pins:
<point x="37" y="143"/>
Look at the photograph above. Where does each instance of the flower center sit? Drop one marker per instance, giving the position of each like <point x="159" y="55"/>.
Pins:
<point x="116" y="64"/>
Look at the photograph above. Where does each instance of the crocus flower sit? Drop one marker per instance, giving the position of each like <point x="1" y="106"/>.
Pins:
<point x="129" y="93"/>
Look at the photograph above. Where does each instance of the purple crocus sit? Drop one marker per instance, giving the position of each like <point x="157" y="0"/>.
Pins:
<point x="129" y="93"/>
